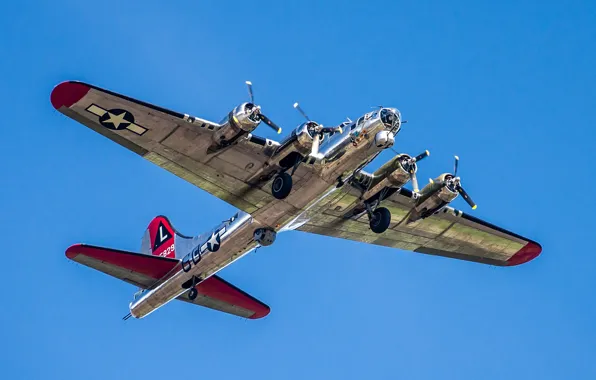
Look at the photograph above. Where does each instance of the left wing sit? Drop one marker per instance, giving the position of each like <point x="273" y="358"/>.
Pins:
<point x="450" y="233"/>
<point x="177" y="142"/>
<point x="145" y="271"/>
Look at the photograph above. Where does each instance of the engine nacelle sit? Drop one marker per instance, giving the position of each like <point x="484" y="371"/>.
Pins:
<point x="240" y="121"/>
<point x="438" y="189"/>
<point x="301" y="139"/>
<point x="433" y="197"/>
<point x="392" y="174"/>
<point x="399" y="176"/>
<point x="304" y="137"/>
<point x="265" y="236"/>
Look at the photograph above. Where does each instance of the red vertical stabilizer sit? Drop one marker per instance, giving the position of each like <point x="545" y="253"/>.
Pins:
<point x="159" y="239"/>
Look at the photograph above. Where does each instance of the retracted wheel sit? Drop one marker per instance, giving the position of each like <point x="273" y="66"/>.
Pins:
<point x="380" y="219"/>
<point x="282" y="185"/>
<point x="193" y="293"/>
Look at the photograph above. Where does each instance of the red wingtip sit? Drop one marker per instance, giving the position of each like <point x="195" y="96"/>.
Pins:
<point x="68" y="93"/>
<point x="529" y="252"/>
<point x="73" y="251"/>
<point x="263" y="312"/>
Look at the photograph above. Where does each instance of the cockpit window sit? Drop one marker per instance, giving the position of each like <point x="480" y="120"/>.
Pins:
<point x="359" y="122"/>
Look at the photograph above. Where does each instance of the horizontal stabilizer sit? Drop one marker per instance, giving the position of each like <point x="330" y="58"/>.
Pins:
<point x="145" y="271"/>
<point x="136" y="268"/>
<point x="218" y="294"/>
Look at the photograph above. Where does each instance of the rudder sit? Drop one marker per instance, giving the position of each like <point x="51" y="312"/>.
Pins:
<point x="160" y="238"/>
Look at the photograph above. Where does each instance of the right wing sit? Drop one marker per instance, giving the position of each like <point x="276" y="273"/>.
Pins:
<point x="174" y="141"/>
<point x="144" y="271"/>
<point x="449" y="233"/>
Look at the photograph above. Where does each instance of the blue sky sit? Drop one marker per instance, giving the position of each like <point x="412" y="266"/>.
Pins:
<point x="509" y="86"/>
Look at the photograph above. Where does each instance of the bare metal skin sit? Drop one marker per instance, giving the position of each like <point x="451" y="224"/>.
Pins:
<point x="312" y="180"/>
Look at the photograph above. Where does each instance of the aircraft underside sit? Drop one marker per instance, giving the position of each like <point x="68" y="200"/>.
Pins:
<point x="312" y="181"/>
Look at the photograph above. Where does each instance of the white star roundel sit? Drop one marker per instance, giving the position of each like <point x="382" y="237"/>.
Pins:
<point x="213" y="242"/>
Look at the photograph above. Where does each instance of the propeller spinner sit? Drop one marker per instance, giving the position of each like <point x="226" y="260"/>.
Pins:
<point x="409" y="164"/>
<point x="453" y="182"/>
<point x="260" y="116"/>
<point x="317" y="130"/>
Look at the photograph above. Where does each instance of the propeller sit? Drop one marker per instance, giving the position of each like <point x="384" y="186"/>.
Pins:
<point x="297" y="106"/>
<point x="257" y="112"/>
<point x="252" y="96"/>
<point x="454" y="184"/>
<point x="317" y="130"/>
<point x="268" y="121"/>
<point x="409" y="164"/>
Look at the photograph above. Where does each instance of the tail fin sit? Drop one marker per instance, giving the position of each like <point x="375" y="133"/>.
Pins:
<point x="161" y="239"/>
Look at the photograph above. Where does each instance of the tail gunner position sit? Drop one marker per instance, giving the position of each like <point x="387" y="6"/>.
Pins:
<point x="316" y="171"/>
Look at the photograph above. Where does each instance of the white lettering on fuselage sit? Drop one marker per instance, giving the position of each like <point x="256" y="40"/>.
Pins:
<point x="194" y="257"/>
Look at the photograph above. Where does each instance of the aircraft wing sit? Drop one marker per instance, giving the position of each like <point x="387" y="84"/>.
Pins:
<point x="144" y="271"/>
<point x="177" y="142"/>
<point x="450" y="233"/>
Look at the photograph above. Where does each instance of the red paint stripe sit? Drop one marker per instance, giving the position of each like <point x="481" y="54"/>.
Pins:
<point x="217" y="288"/>
<point x="529" y="252"/>
<point x="68" y="93"/>
<point x="152" y="266"/>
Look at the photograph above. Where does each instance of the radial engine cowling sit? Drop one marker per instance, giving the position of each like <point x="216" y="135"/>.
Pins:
<point x="400" y="175"/>
<point x="303" y="136"/>
<point x="447" y="193"/>
<point x="241" y="120"/>
<point x="394" y="173"/>
<point x="441" y="191"/>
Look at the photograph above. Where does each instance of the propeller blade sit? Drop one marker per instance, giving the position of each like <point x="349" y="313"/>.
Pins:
<point x="268" y="121"/>
<point x="316" y="141"/>
<point x="297" y="106"/>
<point x="422" y="155"/>
<point x="252" y="97"/>
<point x="414" y="181"/>
<point x="466" y="197"/>
<point x="456" y="166"/>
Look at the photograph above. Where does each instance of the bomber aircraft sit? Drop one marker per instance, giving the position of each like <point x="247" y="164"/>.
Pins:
<point x="312" y="180"/>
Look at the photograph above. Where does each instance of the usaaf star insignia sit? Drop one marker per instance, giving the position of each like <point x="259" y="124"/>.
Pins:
<point x="213" y="242"/>
<point x="116" y="119"/>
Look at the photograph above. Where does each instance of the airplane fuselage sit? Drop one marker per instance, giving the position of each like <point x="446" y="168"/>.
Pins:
<point x="341" y="154"/>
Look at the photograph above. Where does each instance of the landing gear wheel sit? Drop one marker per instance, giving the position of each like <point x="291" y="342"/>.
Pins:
<point x="379" y="222"/>
<point x="193" y="293"/>
<point x="281" y="186"/>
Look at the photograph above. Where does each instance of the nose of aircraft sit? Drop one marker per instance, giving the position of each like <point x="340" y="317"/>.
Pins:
<point x="390" y="118"/>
